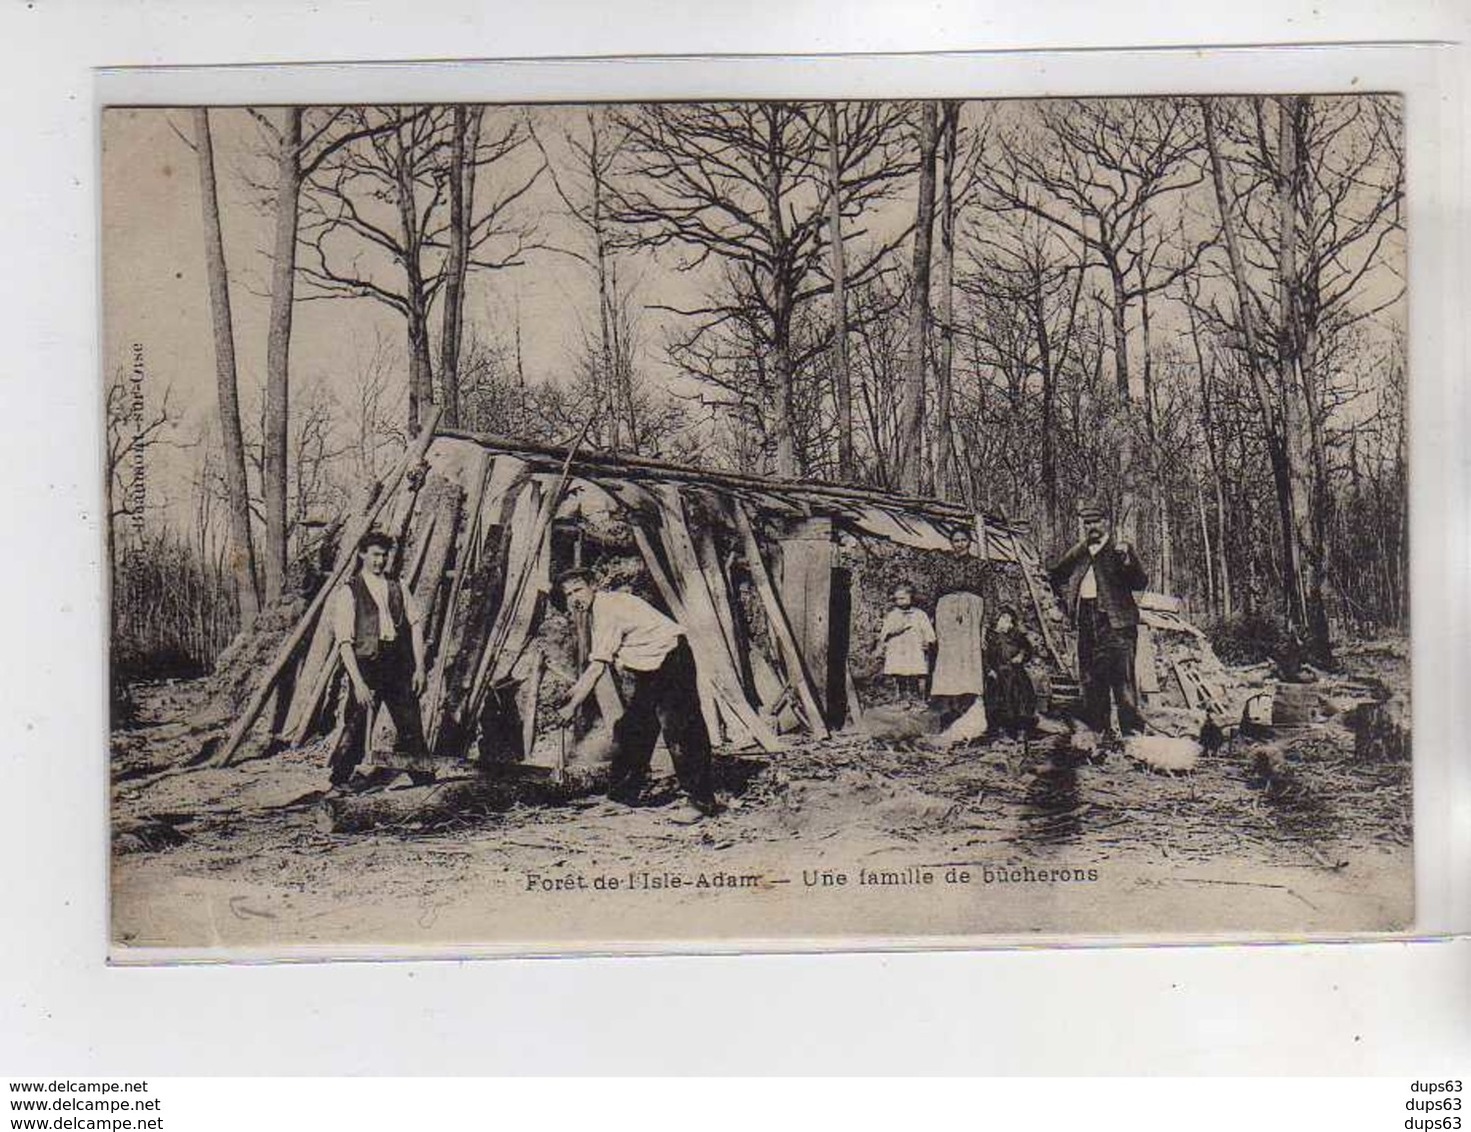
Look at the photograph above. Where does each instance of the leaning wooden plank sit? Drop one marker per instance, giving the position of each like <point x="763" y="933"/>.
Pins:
<point x="410" y="575"/>
<point x="402" y="530"/>
<point x="530" y="693"/>
<point x="447" y="644"/>
<point x="1028" y="566"/>
<point x="305" y="708"/>
<point x="516" y="615"/>
<point x="316" y="673"/>
<point x="736" y="733"/>
<point x="520" y="605"/>
<point x="1145" y="670"/>
<point x="427" y="581"/>
<point x="706" y="594"/>
<point x="708" y="557"/>
<point x="1187" y="685"/>
<point x="321" y="654"/>
<point x="670" y="594"/>
<point x="453" y="726"/>
<point x="693" y="607"/>
<point x="781" y="631"/>
<point x="345" y="561"/>
<point x="855" y="705"/>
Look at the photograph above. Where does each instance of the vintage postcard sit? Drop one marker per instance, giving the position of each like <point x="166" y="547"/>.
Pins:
<point x="687" y="525"/>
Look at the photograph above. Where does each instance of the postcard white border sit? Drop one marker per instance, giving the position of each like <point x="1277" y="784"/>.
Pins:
<point x="1213" y="1009"/>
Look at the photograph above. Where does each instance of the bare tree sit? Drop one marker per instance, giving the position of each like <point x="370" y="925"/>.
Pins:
<point x="375" y="224"/>
<point x="742" y="192"/>
<point x="131" y="431"/>
<point x="842" y="377"/>
<point x="243" y="558"/>
<point x="465" y="135"/>
<point x="1306" y="209"/>
<point x="584" y="187"/>
<point x="299" y="140"/>
<point x="1094" y="168"/>
<point x="961" y="151"/>
<point x="911" y="411"/>
<point x="1025" y="282"/>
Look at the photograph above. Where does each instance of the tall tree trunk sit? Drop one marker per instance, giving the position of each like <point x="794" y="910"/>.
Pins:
<point x="946" y="478"/>
<point x="1272" y="424"/>
<point x="1048" y="453"/>
<point x="619" y="348"/>
<point x="1224" y="570"/>
<point x="1214" y="462"/>
<point x="1212" y="602"/>
<point x="464" y="139"/>
<point x="783" y="305"/>
<point x="421" y="369"/>
<point x="274" y="470"/>
<point x="911" y="411"/>
<point x="1118" y="313"/>
<point x="781" y="362"/>
<point x="1127" y="519"/>
<point x="1156" y="461"/>
<point x="1297" y="425"/>
<point x="842" y="377"/>
<point x="611" y="384"/>
<point x="237" y="487"/>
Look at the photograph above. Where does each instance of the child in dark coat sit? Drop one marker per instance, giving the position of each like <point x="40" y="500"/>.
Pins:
<point x="1011" y="701"/>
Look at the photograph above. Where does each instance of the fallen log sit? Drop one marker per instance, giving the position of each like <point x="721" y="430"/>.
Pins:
<point x="452" y="801"/>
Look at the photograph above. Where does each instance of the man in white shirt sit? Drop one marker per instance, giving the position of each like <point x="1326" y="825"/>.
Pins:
<point x="651" y="648"/>
<point x="379" y="631"/>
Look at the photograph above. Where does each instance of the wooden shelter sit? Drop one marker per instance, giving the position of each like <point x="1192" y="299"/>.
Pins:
<point x="747" y="564"/>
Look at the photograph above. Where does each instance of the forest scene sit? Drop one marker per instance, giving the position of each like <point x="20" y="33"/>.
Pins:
<point x="1185" y="315"/>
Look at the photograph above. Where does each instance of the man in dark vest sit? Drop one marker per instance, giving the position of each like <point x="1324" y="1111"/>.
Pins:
<point x="378" y="626"/>
<point x="1096" y="580"/>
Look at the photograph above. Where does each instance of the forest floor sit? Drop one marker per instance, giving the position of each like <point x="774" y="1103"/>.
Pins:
<point x="853" y="840"/>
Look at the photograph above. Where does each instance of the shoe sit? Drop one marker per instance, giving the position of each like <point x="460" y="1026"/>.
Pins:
<point x="602" y="808"/>
<point x="689" y="812"/>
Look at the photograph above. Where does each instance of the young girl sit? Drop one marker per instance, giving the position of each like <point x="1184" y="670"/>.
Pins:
<point x="906" y="638"/>
<point x="1011" y="701"/>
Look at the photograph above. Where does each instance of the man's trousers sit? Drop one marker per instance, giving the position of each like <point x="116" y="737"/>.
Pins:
<point x="1106" y="665"/>
<point x="665" y="700"/>
<point x="390" y="678"/>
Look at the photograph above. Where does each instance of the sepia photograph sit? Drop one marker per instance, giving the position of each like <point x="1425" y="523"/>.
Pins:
<point x="685" y="525"/>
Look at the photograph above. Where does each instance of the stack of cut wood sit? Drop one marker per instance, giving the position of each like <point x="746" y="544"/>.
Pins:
<point x="1176" y="666"/>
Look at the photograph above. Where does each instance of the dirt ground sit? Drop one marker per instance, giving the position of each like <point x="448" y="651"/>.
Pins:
<point x="852" y="840"/>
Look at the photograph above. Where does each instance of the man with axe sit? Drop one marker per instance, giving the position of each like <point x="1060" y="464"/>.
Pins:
<point x="630" y="633"/>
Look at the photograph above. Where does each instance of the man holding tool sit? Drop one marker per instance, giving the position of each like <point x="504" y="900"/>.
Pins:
<point x="630" y="633"/>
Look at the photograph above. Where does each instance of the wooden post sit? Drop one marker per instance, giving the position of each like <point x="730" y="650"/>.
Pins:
<point x="805" y="583"/>
<point x="781" y="631"/>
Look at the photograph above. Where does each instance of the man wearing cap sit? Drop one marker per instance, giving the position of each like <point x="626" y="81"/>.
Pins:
<point x="630" y="633"/>
<point x="380" y="638"/>
<point x="1096" y="580"/>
